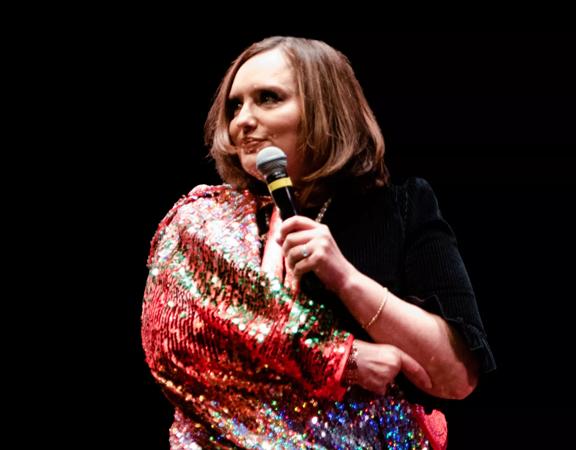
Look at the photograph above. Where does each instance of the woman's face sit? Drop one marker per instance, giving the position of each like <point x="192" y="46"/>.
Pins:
<point x="265" y="110"/>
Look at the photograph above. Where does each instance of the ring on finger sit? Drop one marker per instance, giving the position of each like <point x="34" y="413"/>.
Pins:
<point x="304" y="252"/>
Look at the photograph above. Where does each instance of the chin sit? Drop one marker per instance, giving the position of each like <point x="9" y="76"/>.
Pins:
<point x="251" y="169"/>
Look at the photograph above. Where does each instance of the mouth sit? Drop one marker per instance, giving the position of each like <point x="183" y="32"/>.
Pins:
<point x="250" y="145"/>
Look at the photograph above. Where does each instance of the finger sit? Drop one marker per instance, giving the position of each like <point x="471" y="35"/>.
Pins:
<point x="306" y="265"/>
<point x="298" y="254"/>
<point x="294" y="224"/>
<point x="295" y="239"/>
<point x="414" y="371"/>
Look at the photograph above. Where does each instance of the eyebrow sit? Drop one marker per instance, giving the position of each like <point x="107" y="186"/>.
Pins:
<point x="263" y="87"/>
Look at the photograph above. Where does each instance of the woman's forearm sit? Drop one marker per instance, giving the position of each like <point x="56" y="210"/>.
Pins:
<point x="428" y="338"/>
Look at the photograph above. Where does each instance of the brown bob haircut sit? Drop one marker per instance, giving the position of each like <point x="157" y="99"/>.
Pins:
<point x="340" y="136"/>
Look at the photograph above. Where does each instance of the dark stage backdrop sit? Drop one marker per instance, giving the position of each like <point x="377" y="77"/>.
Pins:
<point x="487" y="118"/>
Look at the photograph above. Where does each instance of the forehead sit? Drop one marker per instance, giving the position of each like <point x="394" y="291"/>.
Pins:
<point x="264" y="69"/>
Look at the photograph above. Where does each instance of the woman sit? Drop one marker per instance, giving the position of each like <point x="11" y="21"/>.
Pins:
<point x="249" y="359"/>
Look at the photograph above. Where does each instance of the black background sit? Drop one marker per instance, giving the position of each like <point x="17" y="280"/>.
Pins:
<point x="487" y="118"/>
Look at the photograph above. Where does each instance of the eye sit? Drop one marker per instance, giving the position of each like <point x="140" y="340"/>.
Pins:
<point x="233" y="105"/>
<point x="269" y="97"/>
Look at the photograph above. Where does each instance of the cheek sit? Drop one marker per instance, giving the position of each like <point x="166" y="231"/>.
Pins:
<point x="233" y="133"/>
<point x="289" y="126"/>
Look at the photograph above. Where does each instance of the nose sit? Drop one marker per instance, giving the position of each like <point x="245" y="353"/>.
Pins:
<point x="245" y="118"/>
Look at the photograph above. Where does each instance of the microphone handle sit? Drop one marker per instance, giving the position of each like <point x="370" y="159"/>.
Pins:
<point x="280" y="187"/>
<point x="286" y="202"/>
<point x="311" y="285"/>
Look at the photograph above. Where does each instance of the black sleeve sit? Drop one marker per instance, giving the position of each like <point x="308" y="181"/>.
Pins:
<point x="435" y="277"/>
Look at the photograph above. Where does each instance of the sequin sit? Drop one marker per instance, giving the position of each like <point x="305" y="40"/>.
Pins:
<point x="246" y="361"/>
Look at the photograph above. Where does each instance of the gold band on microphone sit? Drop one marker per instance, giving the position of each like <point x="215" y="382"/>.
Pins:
<point x="279" y="183"/>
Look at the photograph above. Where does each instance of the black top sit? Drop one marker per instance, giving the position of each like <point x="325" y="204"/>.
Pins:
<point x="396" y="235"/>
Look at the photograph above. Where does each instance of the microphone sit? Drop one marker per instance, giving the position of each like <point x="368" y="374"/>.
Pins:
<point x="271" y="162"/>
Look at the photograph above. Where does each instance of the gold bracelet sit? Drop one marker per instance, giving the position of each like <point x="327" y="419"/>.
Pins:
<point x="380" y="308"/>
<point x="350" y="375"/>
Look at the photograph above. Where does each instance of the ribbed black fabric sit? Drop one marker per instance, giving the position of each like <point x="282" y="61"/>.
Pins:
<point x="397" y="236"/>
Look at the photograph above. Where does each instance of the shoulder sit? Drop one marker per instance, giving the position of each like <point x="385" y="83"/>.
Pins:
<point x="415" y="186"/>
<point x="204" y="193"/>
<point x="418" y="203"/>
<point x="200" y="199"/>
<point x="418" y="191"/>
<point x="408" y="195"/>
<point x="398" y="197"/>
<point x="421" y="195"/>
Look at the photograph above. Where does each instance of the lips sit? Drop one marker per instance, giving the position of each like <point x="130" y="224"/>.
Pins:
<point x="252" y="145"/>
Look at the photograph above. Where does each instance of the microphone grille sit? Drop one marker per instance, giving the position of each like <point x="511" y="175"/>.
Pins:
<point x="270" y="159"/>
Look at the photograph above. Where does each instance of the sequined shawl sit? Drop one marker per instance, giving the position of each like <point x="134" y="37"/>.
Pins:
<point x="247" y="362"/>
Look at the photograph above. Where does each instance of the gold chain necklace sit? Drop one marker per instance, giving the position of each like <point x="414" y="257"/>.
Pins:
<point x="322" y="211"/>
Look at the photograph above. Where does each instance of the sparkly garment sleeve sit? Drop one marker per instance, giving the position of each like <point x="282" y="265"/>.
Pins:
<point x="209" y="321"/>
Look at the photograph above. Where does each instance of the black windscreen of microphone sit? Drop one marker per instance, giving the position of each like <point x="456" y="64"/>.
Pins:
<point x="271" y="162"/>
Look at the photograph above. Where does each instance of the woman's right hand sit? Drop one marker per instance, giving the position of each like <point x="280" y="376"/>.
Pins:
<point x="379" y="364"/>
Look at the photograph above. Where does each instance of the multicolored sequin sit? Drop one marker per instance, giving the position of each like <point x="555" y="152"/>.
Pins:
<point x="247" y="362"/>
